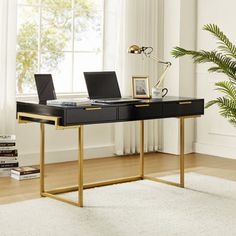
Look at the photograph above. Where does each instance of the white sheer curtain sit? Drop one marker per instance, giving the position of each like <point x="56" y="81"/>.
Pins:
<point x="7" y="66"/>
<point x="137" y="24"/>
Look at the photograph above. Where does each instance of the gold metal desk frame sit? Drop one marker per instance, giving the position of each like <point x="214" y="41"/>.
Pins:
<point x="22" y="118"/>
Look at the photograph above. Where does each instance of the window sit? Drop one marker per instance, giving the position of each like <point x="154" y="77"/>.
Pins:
<point x="61" y="37"/>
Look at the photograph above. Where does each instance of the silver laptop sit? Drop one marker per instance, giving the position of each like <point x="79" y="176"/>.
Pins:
<point x="103" y="87"/>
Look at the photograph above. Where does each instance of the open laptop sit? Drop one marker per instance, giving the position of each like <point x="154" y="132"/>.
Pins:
<point x="103" y="87"/>
<point x="47" y="94"/>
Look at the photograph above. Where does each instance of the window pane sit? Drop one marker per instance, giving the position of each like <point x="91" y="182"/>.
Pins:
<point x="27" y="48"/>
<point x="57" y="3"/>
<point x="26" y="67"/>
<point x="28" y="1"/>
<point x="88" y="25"/>
<point x="27" y="28"/>
<point x="60" y="66"/>
<point x="85" y="62"/>
<point x="56" y="26"/>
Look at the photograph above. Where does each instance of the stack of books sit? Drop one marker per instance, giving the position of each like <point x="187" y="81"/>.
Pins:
<point x="8" y="154"/>
<point x="25" y="172"/>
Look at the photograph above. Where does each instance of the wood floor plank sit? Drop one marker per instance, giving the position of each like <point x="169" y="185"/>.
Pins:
<point x="156" y="164"/>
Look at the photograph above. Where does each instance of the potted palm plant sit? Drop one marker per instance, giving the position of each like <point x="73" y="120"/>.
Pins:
<point x="224" y="61"/>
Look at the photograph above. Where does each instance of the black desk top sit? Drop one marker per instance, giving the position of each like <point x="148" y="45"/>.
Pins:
<point x="107" y="113"/>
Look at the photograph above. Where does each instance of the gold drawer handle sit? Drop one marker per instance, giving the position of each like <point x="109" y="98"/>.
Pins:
<point x="183" y="103"/>
<point x="92" y="108"/>
<point x="142" y="105"/>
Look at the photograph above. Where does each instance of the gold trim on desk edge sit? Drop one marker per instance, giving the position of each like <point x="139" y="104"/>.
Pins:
<point x="21" y="115"/>
<point x="56" y="119"/>
<point x="68" y="127"/>
<point x="142" y="105"/>
<point x="193" y="116"/>
<point x="185" y="103"/>
<point x="92" y="108"/>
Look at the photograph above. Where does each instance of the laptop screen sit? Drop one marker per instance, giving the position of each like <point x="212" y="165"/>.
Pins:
<point x="45" y="87"/>
<point x="102" y="84"/>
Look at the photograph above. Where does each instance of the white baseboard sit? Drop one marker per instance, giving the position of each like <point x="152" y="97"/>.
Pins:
<point x="215" y="150"/>
<point x="58" y="156"/>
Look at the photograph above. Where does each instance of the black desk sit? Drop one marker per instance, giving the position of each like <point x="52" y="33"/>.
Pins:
<point x="76" y="117"/>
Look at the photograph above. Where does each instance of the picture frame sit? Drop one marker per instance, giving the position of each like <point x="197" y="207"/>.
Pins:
<point x="140" y="87"/>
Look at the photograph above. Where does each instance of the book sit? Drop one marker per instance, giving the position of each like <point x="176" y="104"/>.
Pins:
<point x="25" y="170"/>
<point x="7" y="144"/>
<point x="9" y="165"/>
<point x="8" y="160"/>
<point x="8" y="152"/>
<point x="23" y="177"/>
<point x="7" y="140"/>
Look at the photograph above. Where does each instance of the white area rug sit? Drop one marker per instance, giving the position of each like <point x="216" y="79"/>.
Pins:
<point x="207" y="206"/>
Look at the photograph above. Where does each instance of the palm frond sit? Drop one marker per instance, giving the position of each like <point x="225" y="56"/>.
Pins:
<point x="227" y="88"/>
<point x="224" y="64"/>
<point x="225" y="44"/>
<point x="227" y="108"/>
<point x="224" y="102"/>
<point x="233" y="121"/>
<point x="214" y="69"/>
<point x="179" y="52"/>
<point x="210" y="103"/>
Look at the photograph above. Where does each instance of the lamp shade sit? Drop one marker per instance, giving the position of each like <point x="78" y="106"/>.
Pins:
<point x="135" y="49"/>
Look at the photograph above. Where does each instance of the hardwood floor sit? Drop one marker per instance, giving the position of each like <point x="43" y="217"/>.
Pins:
<point x="157" y="164"/>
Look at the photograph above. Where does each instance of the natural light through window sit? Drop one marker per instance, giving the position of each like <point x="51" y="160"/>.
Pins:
<point x="60" y="37"/>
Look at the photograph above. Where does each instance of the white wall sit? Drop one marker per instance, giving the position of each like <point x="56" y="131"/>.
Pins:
<point x="61" y="145"/>
<point x="214" y="135"/>
<point x="179" y="30"/>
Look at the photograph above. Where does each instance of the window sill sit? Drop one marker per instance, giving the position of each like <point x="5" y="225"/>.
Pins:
<point x="34" y="97"/>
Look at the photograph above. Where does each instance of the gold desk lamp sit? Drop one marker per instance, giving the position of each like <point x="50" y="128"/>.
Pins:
<point x="135" y="49"/>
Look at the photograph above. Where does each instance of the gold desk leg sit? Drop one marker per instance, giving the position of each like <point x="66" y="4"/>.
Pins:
<point x="49" y="193"/>
<point x="141" y="149"/>
<point x="80" y="164"/>
<point x="181" y="183"/>
<point x="181" y="151"/>
<point x="42" y="149"/>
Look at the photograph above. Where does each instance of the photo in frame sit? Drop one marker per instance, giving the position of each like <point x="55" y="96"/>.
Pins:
<point x="140" y="85"/>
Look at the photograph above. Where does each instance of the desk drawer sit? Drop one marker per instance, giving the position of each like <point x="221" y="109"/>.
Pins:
<point x="183" y="108"/>
<point x="140" y="111"/>
<point x="90" y="115"/>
